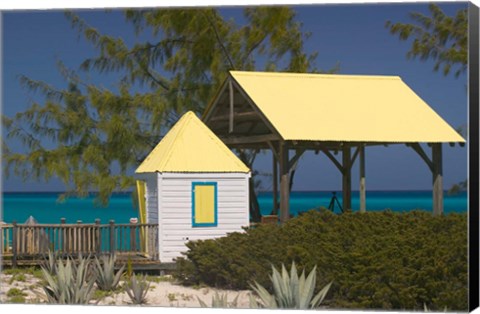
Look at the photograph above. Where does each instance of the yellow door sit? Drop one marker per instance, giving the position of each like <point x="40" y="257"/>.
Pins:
<point x="204" y="204"/>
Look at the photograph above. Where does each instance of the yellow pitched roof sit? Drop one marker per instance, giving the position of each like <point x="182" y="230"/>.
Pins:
<point x="190" y="146"/>
<point x="327" y="107"/>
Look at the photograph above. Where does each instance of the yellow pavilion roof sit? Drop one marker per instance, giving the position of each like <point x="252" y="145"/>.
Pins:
<point x="351" y="108"/>
<point x="190" y="146"/>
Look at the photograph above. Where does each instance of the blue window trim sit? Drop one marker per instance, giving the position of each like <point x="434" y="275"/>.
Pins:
<point x="215" y="214"/>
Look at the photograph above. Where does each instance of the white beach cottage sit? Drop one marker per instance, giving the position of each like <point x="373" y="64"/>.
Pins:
<point x="195" y="187"/>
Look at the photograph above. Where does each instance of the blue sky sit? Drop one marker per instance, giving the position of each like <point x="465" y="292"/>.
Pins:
<point x="352" y="35"/>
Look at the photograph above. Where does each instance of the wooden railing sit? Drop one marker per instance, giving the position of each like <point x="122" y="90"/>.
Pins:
<point x="29" y="241"/>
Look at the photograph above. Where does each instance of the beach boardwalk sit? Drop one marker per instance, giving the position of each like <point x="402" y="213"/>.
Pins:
<point x="194" y="187"/>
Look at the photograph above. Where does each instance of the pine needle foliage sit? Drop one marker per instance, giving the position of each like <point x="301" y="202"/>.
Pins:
<point x="438" y="37"/>
<point x="376" y="260"/>
<point x="92" y="137"/>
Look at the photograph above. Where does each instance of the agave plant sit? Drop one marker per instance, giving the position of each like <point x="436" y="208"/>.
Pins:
<point x="137" y="289"/>
<point x="426" y="309"/>
<point x="50" y="263"/>
<point x="290" y="291"/>
<point x="106" y="278"/>
<point x="72" y="283"/>
<point x="220" y="301"/>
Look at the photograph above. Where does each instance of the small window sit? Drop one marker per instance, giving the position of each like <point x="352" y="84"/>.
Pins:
<point x="204" y="204"/>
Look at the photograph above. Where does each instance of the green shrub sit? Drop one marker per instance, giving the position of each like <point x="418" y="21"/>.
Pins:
<point x="17" y="299"/>
<point x="12" y="271"/>
<point x="15" y="292"/>
<point x="17" y="277"/>
<point x="34" y="271"/>
<point x="16" y="295"/>
<point x="21" y="277"/>
<point x="102" y="294"/>
<point x="377" y="260"/>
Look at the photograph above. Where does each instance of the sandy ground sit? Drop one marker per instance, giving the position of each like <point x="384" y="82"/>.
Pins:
<point x="164" y="293"/>
<point x="30" y="288"/>
<point x="170" y="294"/>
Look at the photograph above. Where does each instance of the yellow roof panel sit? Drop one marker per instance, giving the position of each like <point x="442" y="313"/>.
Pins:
<point x="327" y="107"/>
<point x="190" y="146"/>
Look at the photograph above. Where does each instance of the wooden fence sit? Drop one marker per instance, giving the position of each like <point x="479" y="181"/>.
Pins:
<point x="23" y="241"/>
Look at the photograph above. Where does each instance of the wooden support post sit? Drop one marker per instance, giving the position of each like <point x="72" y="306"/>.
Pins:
<point x="363" y="206"/>
<point x="230" y="124"/>
<point x="14" y="244"/>
<point x="133" y="237"/>
<point x="346" y="180"/>
<point x="437" y="179"/>
<point x="62" y="242"/>
<point x="275" y="184"/>
<point x="79" y="238"/>
<point x="284" y="184"/>
<point x="2" y="243"/>
<point x="98" y="243"/>
<point x="112" y="237"/>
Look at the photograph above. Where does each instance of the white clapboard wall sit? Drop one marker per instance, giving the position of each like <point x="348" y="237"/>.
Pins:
<point x="173" y="194"/>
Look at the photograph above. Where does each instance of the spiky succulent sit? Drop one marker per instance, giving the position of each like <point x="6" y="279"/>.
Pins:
<point x="106" y="277"/>
<point x="290" y="291"/>
<point x="137" y="289"/>
<point x="220" y="301"/>
<point x="49" y="263"/>
<point x="72" y="284"/>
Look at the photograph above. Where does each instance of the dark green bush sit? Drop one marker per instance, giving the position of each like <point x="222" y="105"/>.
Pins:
<point x="376" y="260"/>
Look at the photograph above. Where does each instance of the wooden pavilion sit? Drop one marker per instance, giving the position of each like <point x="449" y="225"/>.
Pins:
<point x="295" y="112"/>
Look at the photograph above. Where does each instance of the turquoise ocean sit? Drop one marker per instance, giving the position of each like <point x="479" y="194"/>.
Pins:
<point x="44" y="207"/>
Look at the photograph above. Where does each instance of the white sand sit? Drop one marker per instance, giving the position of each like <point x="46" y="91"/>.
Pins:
<point x="165" y="294"/>
<point x="169" y="294"/>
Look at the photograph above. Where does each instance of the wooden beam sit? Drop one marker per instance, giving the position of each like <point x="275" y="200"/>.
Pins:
<point x="437" y="179"/>
<point x="255" y="108"/>
<point x="249" y="139"/>
<point x="355" y="154"/>
<point x="298" y="154"/>
<point x="230" y="124"/>
<point x="363" y="206"/>
<point x="242" y="128"/>
<point x="274" y="150"/>
<point x="333" y="159"/>
<point x="258" y="146"/>
<point x="212" y="106"/>
<point x="243" y="116"/>
<point x="346" y="180"/>
<point x="416" y="147"/>
<point x="253" y="124"/>
<point x="436" y="167"/>
<point x="284" y="184"/>
<point x="333" y="145"/>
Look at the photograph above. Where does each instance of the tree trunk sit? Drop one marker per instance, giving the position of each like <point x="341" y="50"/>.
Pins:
<point x="254" y="206"/>
<point x="248" y="157"/>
